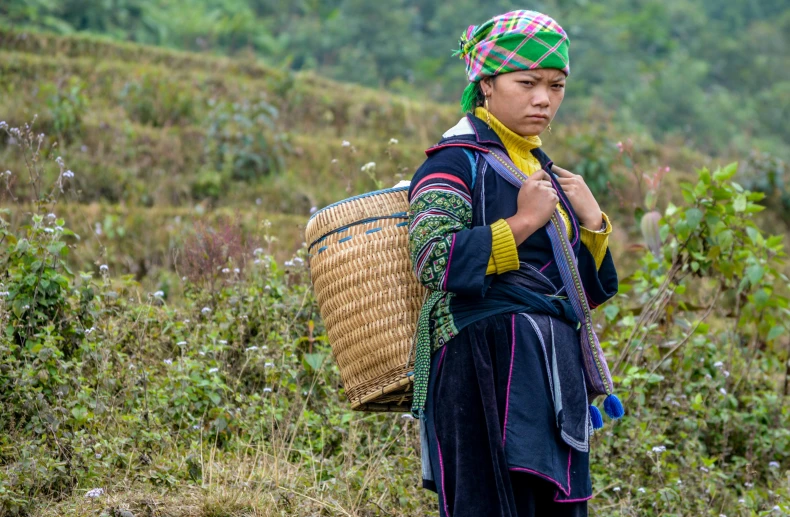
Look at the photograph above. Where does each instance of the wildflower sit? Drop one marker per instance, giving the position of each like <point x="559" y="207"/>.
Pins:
<point x="132" y="367"/>
<point x="267" y="390"/>
<point x="159" y="294"/>
<point x="268" y="365"/>
<point x="703" y="469"/>
<point x="742" y="501"/>
<point x="104" y="268"/>
<point x="264" y="347"/>
<point x="680" y="481"/>
<point x="776" y="508"/>
<point x="298" y="261"/>
<point x="168" y="362"/>
<point x="748" y="485"/>
<point x="620" y="146"/>
<point x="257" y="262"/>
<point x="26" y="307"/>
<point x="368" y="167"/>
<point x="726" y="373"/>
<point x="98" y="455"/>
<point x="68" y="174"/>
<point x="659" y="449"/>
<point x="616" y="489"/>
<point x="641" y="490"/>
<point x="51" y="216"/>
<point x="718" y="364"/>
<point x="90" y="330"/>
<point x="94" y="493"/>
<point x="187" y="321"/>
<point x="59" y="161"/>
<point x="181" y="343"/>
<point x="3" y="124"/>
<point x="313" y="209"/>
<point x="205" y="310"/>
<point x="393" y="141"/>
<point x="223" y="342"/>
<point x="289" y="263"/>
<point x="213" y="370"/>
<point x="8" y="173"/>
<point x="407" y="416"/>
<point x="774" y="465"/>
<point x="722" y="391"/>
<point x="346" y="143"/>
<point x="196" y="427"/>
<point x="236" y="270"/>
<point x="225" y="270"/>
<point x="334" y="160"/>
<point x="251" y="349"/>
<point x="4" y="293"/>
<point x="49" y="230"/>
<point x="258" y="251"/>
<point x="58" y="228"/>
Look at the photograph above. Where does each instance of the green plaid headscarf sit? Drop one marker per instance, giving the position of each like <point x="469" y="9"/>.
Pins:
<point x="518" y="40"/>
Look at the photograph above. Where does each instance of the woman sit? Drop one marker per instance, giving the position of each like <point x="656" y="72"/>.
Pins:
<point x="505" y="349"/>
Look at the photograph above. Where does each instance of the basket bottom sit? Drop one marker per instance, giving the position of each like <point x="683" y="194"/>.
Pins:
<point x="395" y="397"/>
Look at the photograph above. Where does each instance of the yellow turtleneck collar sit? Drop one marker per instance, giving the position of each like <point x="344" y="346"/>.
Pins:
<point x="521" y="145"/>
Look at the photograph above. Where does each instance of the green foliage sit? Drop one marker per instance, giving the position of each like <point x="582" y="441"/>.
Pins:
<point x="155" y="101"/>
<point x="66" y="105"/>
<point x="244" y="139"/>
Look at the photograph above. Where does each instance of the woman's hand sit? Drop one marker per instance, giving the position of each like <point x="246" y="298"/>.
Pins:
<point x="582" y="199"/>
<point x="537" y="200"/>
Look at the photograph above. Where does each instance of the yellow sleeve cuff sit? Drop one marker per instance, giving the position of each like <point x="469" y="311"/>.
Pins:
<point x="597" y="241"/>
<point x="504" y="255"/>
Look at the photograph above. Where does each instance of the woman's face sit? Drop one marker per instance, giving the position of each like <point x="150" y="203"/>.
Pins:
<point x="525" y="101"/>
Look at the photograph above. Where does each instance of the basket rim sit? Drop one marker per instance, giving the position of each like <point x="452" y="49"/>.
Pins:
<point x="360" y="196"/>
<point x="396" y="215"/>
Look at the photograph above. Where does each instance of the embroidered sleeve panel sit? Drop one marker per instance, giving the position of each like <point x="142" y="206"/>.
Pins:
<point x="447" y="253"/>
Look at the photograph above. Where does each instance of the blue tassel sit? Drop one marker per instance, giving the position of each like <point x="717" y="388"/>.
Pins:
<point x="595" y="417"/>
<point x="613" y="407"/>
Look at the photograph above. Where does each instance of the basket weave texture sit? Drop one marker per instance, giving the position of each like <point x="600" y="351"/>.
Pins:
<point x="368" y="295"/>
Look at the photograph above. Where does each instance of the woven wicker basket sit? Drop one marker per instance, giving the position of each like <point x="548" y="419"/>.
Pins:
<point x="368" y="295"/>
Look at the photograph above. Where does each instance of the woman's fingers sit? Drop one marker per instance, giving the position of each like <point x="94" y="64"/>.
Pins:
<point x="562" y="173"/>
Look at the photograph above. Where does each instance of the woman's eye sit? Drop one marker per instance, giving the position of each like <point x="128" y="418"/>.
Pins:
<point x="530" y="83"/>
<point x="559" y="86"/>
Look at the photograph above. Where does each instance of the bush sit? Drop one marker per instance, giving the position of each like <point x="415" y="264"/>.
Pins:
<point x="157" y="102"/>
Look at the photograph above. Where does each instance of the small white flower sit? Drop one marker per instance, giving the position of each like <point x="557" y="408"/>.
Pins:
<point x="181" y="343"/>
<point x="313" y="209"/>
<point x="776" y="508"/>
<point x="718" y="364"/>
<point x="742" y="501"/>
<point x="236" y="270"/>
<point x="26" y="307"/>
<point x="90" y="330"/>
<point x="268" y="365"/>
<point x="132" y="367"/>
<point x="748" y="485"/>
<point x="4" y="293"/>
<point x="159" y="294"/>
<point x="213" y="370"/>
<point x="616" y="489"/>
<point x="334" y="160"/>
<point x="104" y="268"/>
<point x="264" y="347"/>
<point x="368" y="167"/>
<point x="98" y="455"/>
<point x="267" y="390"/>
<point x="3" y="124"/>
<point x="346" y="143"/>
<point x="251" y="349"/>
<point x="722" y="515"/>
<point x="94" y="493"/>
<point x="186" y="322"/>
<point x="407" y="416"/>
<point x="257" y="261"/>
<point x="289" y="263"/>
<point x="722" y="391"/>
<point x="225" y="270"/>
<point x="393" y="141"/>
<point x="641" y="490"/>
<point x="8" y="173"/>
<point x="726" y="373"/>
<point x="59" y="161"/>
<point x="168" y="362"/>
<point x="680" y="481"/>
<point x="703" y="469"/>
<point x="223" y="342"/>
<point x="205" y="310"/>
<point x="68" y="174"/>
<point x="659" y="449"/>
<point x="257" y="251"/>
<point x="49" y="230"/>
<point x="774" y="465"/>
<point x="51" y="216"/>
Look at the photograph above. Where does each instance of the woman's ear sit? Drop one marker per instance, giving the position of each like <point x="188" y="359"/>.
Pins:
<point x="487" y="86"/>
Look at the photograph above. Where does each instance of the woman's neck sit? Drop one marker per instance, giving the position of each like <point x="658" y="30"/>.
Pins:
<point x="514" y="142"/>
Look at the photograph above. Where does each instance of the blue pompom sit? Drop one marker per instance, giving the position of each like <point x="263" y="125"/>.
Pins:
<point x="613" y="407"/>
<point x="595" y="417"/>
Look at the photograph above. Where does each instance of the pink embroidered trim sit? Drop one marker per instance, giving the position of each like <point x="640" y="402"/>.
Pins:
<point x="510" y="375"/>
<point x="439" y="445"/>
<point x="549" y="478"/>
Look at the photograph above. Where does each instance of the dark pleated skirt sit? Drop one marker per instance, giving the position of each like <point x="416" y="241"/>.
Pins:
<point x="490" y="427"/>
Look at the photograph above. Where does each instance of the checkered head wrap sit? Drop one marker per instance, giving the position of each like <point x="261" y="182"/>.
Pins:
<point x="518" y="40"/>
